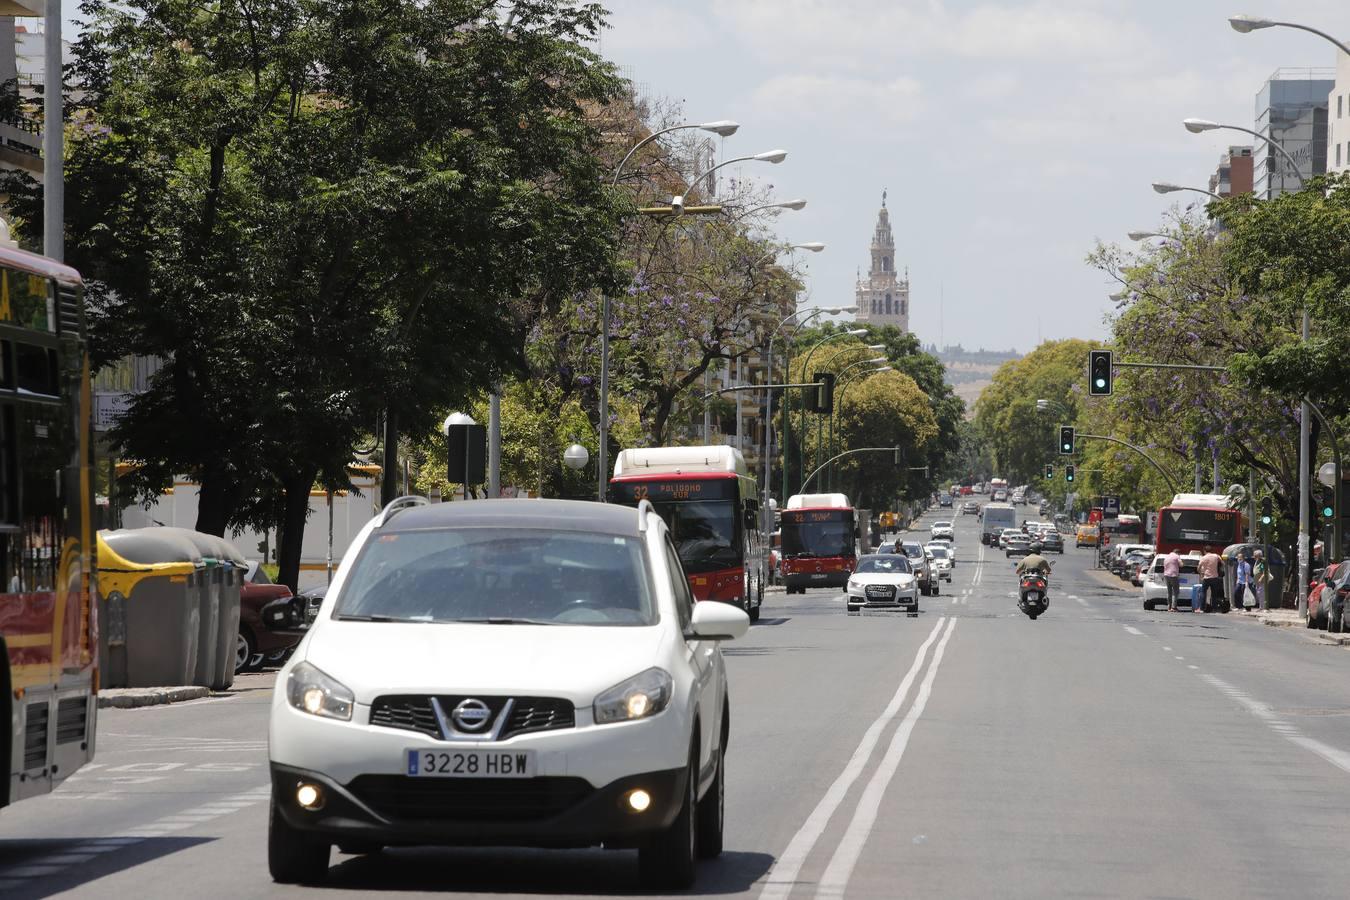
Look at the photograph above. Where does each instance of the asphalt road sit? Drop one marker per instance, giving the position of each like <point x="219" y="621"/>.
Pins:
<point x="1099" y="751"/>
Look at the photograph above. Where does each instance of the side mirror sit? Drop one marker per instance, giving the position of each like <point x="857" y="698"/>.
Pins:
<point x="716" y="621"/>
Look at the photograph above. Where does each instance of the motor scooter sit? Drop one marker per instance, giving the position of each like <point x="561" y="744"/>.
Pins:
<point x="1033" y="597"/>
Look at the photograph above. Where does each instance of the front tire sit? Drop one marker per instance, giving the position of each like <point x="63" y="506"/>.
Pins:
<point x="294" y="856"/>
<point x="244" y="651"/>
<point x="712" y="810"/>
<point x="1335" y="621"/>
<point x="666" y="861"/>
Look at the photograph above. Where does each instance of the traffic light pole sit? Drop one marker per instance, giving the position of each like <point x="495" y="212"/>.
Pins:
<point x="826" y="463"/>
<point x="1336" y="536"/>
<point x="1161" y="471"/>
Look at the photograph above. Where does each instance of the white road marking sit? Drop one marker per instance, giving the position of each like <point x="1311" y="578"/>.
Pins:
<point x="1131" y="629"/>
<point x="1189" y="666"/>
<point x="1337" y="757"/>
<point x="781" y="878"/>
<point x="1168" y="649"/>
<point x="1080" y="600"/>
<point x="1179" y="657"/>
<point x="835" y="880"/>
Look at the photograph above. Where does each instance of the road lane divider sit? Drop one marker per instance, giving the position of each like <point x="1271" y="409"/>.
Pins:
<point x="834" y="882"/>
<point x="1263" y="711"/>
<point x="782" y="877"/>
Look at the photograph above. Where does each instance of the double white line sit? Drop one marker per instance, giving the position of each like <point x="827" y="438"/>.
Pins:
<point x="783" y="876"/>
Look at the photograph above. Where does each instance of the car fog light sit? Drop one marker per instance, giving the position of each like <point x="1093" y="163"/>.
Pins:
<point x="639" y="800"/>
<point x="309" y="796"/>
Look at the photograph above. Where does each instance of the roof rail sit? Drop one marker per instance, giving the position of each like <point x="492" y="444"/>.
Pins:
<point x="644" y="509"/>
<point x="398" y="504"/>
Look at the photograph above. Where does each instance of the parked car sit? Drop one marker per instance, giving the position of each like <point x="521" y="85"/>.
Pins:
<point x="271" y="622"/>
<point x="1129" y="566"/>
<point x="1319" y="588"/>
<point x="1117" y="558"/>
<point x="1155" y="586"/>
<point x="506" y="672"/>
<point x="923" y="570"/>
<point x="1334" y="597"/>
<point x="1085" y="536"/>
<point x="883" y="580"/>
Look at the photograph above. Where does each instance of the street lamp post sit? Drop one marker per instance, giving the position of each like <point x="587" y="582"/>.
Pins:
<point x="766" y="513"/>
<point x="724" y="128"/>
<point x="838" y="378"/>
<point x="1244" y="24"/>
<point x="801" y="422"/>
<point x="1167" y="187"/>
<point x="839" y="405"/>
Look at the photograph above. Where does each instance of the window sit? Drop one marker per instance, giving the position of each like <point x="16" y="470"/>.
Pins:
<point x="888" y="304"/>
<point x="1340" y="102"/>
<point x="904" y="307"/>
<point x="1338" y="155"/>
<point x="885" y="264"/>
<point x="679" y="585"/>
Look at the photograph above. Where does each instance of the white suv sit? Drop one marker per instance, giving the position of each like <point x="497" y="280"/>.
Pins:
<point x="942" y="530"/>
<point x="505" y="673"/>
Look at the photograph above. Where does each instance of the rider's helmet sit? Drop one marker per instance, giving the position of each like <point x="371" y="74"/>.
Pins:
<point x="1037" y="547"/>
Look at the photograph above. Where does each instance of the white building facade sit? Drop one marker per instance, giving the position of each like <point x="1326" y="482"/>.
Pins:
<point x="883" y="297"/>
<point x="1338" y="118"/>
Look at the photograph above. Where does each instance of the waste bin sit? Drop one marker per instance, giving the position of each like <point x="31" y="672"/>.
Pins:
<point x="149" y="605"/>
<point x="1275" y="561"/>
<point x="233" y="566"/>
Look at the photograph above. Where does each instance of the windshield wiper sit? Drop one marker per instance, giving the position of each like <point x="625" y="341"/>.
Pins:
<point x="352" y="618"/>
<point x="501" y="620"/>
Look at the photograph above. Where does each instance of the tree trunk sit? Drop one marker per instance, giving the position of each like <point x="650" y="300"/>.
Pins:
<point x="294" y="512"/>
<point x="215" y="503"/>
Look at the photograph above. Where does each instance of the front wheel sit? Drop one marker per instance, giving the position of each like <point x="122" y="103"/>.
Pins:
<point x="1335" y="620"/>
<point x="712" y="813"/>
<point x="294" y="856"/>
<point x="243" y="651"/>
<point x="666" y="861"/>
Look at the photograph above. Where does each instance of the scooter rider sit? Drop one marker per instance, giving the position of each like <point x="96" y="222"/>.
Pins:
<point x="1034" y="562"/>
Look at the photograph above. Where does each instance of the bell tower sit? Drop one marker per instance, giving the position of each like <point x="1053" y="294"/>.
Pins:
<point x="883" y="297"/>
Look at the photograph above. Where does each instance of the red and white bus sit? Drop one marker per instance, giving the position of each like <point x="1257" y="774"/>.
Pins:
<point x="1199" y="523"/>
<point x="819" y="541"/>
<point x="998" y="490"/>
<point x="1124" y="529"/>
<point x="709" y="500"/>
<point x="48" y="606"/>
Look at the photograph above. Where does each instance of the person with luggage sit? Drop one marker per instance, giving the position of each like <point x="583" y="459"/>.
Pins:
<point x="1241" y="581"/>
<point x="1208" y="597"/>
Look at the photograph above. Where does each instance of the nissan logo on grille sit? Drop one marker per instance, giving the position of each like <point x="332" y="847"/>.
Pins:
<point x="471" y="715"/>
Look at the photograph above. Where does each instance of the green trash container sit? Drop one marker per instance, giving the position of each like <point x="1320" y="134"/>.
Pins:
<point x="149" y="607"/>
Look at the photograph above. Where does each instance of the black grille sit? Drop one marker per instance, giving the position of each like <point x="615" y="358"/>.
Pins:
<point x="70" y="306"/>
<point x="70" y="720"/>
<point x="539" y="714"/>
<point x="35" y="737"/>
<point x="413" y="712"/>
<point x="469" y="799"/>
<point x="880" y="591"/>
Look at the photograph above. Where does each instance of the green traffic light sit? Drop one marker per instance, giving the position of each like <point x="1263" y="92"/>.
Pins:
<point x="1327" y="511"/>
<point x="1265" y="520"/>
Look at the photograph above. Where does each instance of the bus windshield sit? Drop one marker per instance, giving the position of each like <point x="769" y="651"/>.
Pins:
<point x="704" y="532"/>
<point x="818" y="533"/>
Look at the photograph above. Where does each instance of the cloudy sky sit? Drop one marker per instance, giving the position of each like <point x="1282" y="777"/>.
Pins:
<point x="1010" y="135"/>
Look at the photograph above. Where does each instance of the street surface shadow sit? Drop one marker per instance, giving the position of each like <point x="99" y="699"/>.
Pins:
<point x="17" y="858"/>
<point x="544" y="872"/>
<point x="764" y="623"/>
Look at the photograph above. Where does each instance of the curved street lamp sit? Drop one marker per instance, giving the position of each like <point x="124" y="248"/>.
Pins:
<point x="1197" y="126"/>
<point x="1244" y="24"/>
<point x="769" y="156"/>
<point x="839" y="407"/>
<point x="1166" y="187"/>
<point x="722" y="127"/>
<point x="1145" y="235"/>
<point x="801" y="421"/>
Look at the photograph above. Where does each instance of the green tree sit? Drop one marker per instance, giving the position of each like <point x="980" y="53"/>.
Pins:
<point x="321" y="211"/>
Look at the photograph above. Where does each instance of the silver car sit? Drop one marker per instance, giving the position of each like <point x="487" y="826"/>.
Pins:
<point x="942" y="559"/>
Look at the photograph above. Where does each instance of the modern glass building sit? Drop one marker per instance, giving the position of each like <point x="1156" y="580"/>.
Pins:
<point x="1291" y="109"/>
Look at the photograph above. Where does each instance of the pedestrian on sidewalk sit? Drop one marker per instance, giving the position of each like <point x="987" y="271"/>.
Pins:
<point x="1212" y="591"/>
<point x="1172" y="575"/>
<point x="1244" y="577"/>
<point x="1260" y="578"/>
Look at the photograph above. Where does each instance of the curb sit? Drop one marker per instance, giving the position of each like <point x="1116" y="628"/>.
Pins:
<point x="134" y="698"/>
<point x="1335" y="640"/>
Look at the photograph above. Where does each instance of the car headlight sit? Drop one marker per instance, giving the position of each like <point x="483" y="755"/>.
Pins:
<point x="310" y="689"/>
<point x="639" y="697"/>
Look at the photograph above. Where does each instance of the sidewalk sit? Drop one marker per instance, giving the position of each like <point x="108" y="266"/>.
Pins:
<point x="138" y="697"/>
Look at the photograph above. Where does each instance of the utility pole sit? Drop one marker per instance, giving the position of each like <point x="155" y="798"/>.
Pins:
<point x="495" y="444"/>
<point x="53" y="151"/>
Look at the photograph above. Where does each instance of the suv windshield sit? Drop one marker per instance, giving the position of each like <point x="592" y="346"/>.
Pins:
<point x="499" y="576"/>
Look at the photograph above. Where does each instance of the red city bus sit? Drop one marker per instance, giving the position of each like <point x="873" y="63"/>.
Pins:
<point x="708" y="499"/>
<point x="1199" y="523"/>
<point x="48" y="606"/>
<point x="1125" y="529"/>
<point x="819" y="541"/>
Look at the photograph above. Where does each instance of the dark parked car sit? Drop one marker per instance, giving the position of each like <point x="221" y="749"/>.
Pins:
<point x="271" y="623"/>
<point x="1327" y="597"/>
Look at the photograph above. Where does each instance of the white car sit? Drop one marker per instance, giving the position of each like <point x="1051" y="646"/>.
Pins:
<point x="1007" y="533"/>
<point x="506" y="673"/>
<point x="1155" y="586"/>
<point x="883" y="580"/>
<point x="943" y="530"/>
<point x="943" y="559"/>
